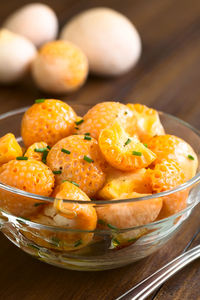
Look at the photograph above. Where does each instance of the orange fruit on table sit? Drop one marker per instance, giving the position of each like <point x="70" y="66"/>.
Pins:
<point x="9" y="148"/>
<point x="172" y="147"/>
<point x="30" y="176"/>
<point x="60" y="67"/>
<point x="65" y="215"/>
<point x="119" y="182"/>
<point x="102" y="115"/>
<point x="77" y="158"/>
<point x="146" y="122"/>
<point x="123" y="152"/>
<point x="127" y="215"/>
<point x="36" y="151"/>
<point x="48" y="120"/>
<point x="166" y="175"/>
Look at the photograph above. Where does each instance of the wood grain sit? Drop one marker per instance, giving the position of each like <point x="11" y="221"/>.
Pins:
<point x="166" y="78"/>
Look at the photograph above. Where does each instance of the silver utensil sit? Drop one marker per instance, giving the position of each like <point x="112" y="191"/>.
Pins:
<point x="144" y="288"/>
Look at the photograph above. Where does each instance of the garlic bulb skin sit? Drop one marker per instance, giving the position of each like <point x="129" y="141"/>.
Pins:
<point x="36" y="21"/>
<point x="16" y="55"/>
<point x="109" y="40"/>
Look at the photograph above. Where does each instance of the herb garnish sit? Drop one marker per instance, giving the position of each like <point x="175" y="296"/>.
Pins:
<point x="44" y="156"/>
<point x="57" y="172"/>
<point x="76" y="184"/>
<point x="116" y="241"/>
<point x="112" y="226"/>
<point x="65" y="151"/>
<point x="86" y="137"/>
<point x="39" y="100"/>
<point x="78" y="243"/>
<point x="127" y="142"/>
<point x="191" y="157"/>
<point x="40" y="150"/>
<point x="145" y="145"/>
<point x="137" y="153"/>
<point x="22" y="158"/>
<point x="88" y="159"/>
<point x="79" y="122"/>
<point x="55" y="241"/>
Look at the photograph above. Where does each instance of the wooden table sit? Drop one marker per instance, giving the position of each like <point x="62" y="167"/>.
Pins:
<point x="166" y="78"/>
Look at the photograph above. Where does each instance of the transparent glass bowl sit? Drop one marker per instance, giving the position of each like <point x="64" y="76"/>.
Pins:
<point x="103" y="252"/>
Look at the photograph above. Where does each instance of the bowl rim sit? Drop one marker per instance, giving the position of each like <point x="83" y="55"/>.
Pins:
<point x="194" y="180"/>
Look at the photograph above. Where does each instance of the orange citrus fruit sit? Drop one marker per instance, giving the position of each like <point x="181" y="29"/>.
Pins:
<point x="102" y="115"/>
<point x="48" y="120"/>
<point x="172" y="147"/>
<point x="77" y="158"/>
<point x="127" y="215"/>
<point x="123" y="152"/>
<point x="9" y="148"/>
<point x="166" y="175"/>
<point x="146" y="122"/>
<point x="30" y="176"/>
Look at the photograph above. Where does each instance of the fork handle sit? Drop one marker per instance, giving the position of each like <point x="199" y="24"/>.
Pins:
<point x="144" y="288"/>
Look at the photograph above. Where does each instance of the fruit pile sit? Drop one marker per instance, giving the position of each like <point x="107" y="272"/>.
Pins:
<point x="115" y="151"/>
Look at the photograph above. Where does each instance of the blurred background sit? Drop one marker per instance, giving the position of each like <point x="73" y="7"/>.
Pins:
<point x="167" y="74"/>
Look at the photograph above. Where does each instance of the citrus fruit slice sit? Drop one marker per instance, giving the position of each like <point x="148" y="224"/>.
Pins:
<point x="123" y="152"/>
<point x="119" y="182"/>
<point x="9" y="148"/>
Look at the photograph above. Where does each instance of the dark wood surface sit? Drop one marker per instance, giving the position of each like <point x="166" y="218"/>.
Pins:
<point x="166" y="78"/>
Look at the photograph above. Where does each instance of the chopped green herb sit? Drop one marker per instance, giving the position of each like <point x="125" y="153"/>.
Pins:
<point x="145" y="145"/>
<point x="78" y="243"/>
<point x="191" y="157"/>
<point x="112" y="227"/>
<point x="55" y="241"/>
<point x="22" y="158"/>
<point x="41" y="150"/>
<point x="127" y="142"/>
<point x="125" y="112"/>
<point x="65" y="151"/>
<point x="101" y="222"/>
<point x="39" y="100"/>
<point x="79" y="122"/>
<point x="76" y="184"/>
<point x="57" y="172"/>
<point x="137" y="153"/>
<point x="115" y="241"/>
<point x="44" y="156"/>
<point x="76" y="128"/>
<point x="49" y="147"/>
<point x="33" y="246"/>
<point x="132" y="240"/>
<point x="38" y="204"/>
<point x="86" y="137"/>
<point x="87" y="133"/>
<point x="88" y="159"/>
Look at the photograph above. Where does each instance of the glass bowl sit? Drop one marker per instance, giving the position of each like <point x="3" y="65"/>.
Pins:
<point x="111" y="247"/>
